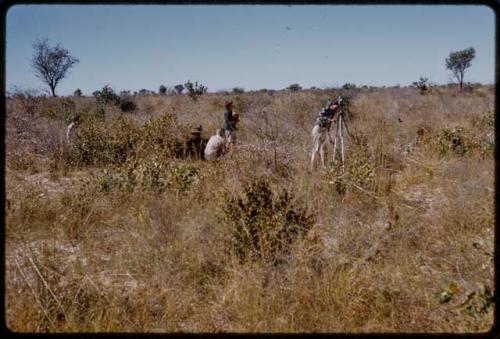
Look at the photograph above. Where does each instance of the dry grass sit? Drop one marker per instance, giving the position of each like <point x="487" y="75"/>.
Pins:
<point x="402" y="241"/>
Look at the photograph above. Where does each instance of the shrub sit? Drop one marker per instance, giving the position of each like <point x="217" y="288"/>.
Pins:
<point x="348" y="85"/>
<point x="163" y="135"/>
<point x="422" y="84"/>
<point x="358" y="171"/>
<point x="26" y="101"/>
<point x="162" y="90"/>
<point x="460" y="141"/>
<point x="77" y="93"/>
<point x="195" y="90"/>
<point x="265" y="226"/>
<point x="238" y="90"/>
<point x="97" y="143"/>
<point x="294" y="88"/>
<point x="106" y="95"/>
<point x="179" y="88"/>
<point x="127" y="105"/>
<point x="56" y="108"/>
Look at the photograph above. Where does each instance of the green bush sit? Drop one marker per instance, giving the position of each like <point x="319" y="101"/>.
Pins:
<point x="162" y="135"/>
<point x="57" y="108"/>
<point x="98" y="143"/>
<point x="265" y="225"/>
<point x="106" y="96"/>
<point x="459" y="141"/>
<point x="358" y="171"/>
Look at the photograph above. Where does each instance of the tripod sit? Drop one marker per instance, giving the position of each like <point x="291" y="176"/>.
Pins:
<point x="341" y="126"/>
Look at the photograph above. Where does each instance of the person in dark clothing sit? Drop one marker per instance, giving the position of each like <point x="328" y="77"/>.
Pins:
<point x="230" y="121"/>
<point x="195" y="144"/>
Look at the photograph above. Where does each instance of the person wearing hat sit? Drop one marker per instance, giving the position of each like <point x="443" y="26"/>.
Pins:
<point x="321" y="130"/>
<point x="230" y="121"/>
<point x="194" y="146"/>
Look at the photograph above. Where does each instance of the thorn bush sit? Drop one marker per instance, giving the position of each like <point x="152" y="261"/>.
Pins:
<point x="264" y="225"/>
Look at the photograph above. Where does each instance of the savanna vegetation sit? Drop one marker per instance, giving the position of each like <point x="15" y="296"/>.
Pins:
<point x="118" y="231"/>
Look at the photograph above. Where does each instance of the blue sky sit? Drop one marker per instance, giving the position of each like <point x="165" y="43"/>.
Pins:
<point x="250" y="46"/>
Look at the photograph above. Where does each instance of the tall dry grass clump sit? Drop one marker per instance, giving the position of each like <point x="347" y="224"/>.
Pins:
<point x="117" y="231"/>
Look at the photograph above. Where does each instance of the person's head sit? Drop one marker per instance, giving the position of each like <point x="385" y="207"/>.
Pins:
<point x="333" y="106"/>
<point x="77" y="119"/>
<point x="220" y="132"/>
<point x="228" y="105"/>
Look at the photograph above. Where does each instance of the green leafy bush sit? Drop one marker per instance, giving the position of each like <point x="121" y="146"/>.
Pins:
<point x="106" y="96"/>
<point x="459" y="141"/>
<point x="265" y="225"/>
<point x="98" y="143"/>
<point x="57" y="108"/>
<point x="358" y="171"/>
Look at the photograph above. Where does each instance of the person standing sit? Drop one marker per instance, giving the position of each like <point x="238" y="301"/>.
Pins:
<point x="72" y="127"/>
<point x="321" y="130"/>
<point x="230" y="121"/>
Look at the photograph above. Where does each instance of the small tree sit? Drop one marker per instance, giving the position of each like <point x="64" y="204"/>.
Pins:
<point x="422" y="84"/>
<point x="77" y="93"/>
<point x="294" y="88"/>
<point x="238" y="90"/>
<point x="51" y="64"/>
<point x="195" y="90"/>
<point x="162" y="90"/>
<point x="179" y="88"/>
<point x="458" y="62"/>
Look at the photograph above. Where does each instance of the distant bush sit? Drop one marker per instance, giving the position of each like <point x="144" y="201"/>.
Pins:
<point x="162" y="90"/>
<point x="195" y="90"/>
<point x="77" y="93"/>
<point x="127" y="105"/>
<point x="238" y="90"/>
<point x="294" y="88"/>
<point x="422" y="84"/>
<point x="265" y="225"/>
<point x="348" y="85"/>
<point x="106" y="96"/>
<point x="179" y="88"/>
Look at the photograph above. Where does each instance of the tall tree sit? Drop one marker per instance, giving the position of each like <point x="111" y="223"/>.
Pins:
<point x="458" y="62"/>
<point x="51" y="64"/>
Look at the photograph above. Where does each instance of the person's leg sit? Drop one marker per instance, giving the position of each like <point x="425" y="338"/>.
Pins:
<point x="316" y="144"/>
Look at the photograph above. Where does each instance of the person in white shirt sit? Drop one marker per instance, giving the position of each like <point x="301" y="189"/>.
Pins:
<point x="71" y="129"/>
<point x="216" y="145"/>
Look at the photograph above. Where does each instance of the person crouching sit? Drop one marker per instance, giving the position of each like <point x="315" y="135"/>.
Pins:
<point x="216" y="145"/>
